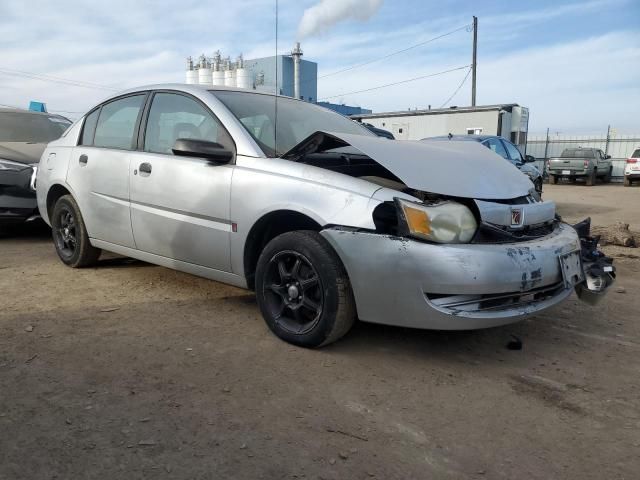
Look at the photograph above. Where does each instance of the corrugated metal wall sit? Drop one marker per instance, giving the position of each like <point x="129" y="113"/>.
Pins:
<point x="620" y="147"/>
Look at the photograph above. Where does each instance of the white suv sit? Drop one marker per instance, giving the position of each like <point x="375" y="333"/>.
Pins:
<point x="632" y="168"/>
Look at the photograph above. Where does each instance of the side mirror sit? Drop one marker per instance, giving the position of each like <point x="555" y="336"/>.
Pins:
<point x="529" y="158"/>
<point x="189" y="147"/>
<point x="607" y="157"/>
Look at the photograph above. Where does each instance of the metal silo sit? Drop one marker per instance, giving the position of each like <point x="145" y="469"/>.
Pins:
<point x="229" y="74"/>
<point x="217" y="75"/>
<point x="192" y="75"/>
<point x="243" y="75"/>
<point x="204" y="72"/>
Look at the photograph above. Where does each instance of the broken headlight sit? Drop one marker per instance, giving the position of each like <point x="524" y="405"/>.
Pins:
<point x="447" y="222"/>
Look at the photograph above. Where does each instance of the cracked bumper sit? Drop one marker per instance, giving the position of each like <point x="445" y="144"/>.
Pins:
<point x="403" y="282"/>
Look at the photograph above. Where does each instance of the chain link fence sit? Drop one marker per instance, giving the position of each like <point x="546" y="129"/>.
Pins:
<point x="620" y="147"/>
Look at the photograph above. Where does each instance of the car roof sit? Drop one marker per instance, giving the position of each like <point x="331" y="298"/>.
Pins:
<point x="32" y="112"/>
<point x="191" y="88"/>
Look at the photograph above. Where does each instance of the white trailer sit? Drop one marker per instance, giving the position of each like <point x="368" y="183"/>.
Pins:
<point x="508" y="120"/>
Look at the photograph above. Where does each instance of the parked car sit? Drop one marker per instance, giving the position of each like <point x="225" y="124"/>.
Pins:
<point x="505" y="149"/>
<point x="587" y="163"/>
<point x="380" y="132"/>
<point x="632" y="168"/>
<point x="325" y="221"/>
<point x="23" y="137"/>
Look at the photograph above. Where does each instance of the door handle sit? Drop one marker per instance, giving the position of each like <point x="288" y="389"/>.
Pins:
<point x="83" y="159"/>
<point x="145" y="168"/>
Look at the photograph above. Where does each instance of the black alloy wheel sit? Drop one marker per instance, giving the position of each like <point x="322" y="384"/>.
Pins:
<point x="64" y="232"/>
<point x="293" y="292"/>
<point x="303" y="290"/>
<point x="70" y="236"/>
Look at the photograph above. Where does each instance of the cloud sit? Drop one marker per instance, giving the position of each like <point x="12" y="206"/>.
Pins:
<point x="327" y="13"/>
<point x="579" y="85"/>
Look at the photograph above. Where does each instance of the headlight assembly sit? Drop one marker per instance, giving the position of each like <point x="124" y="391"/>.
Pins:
<point x="447" y="222"/>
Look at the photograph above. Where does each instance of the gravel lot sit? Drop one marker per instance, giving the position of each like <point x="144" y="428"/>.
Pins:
<point x="132" y="371"/>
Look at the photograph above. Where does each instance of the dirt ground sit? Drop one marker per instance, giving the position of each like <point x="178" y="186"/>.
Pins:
<point x="134" y="371"/>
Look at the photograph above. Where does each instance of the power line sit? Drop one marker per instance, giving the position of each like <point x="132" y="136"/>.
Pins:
<point x="398" y="83"/>
<point x="358" y="65"/>
<point x="457" y="89"/>
<point x="51" y="78"/>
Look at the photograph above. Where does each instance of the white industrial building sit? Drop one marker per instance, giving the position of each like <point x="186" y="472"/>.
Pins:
<point x="288" y="75"/>
<point x="508" y="120"/>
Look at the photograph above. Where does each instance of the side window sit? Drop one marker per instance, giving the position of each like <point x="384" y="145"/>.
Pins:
<point x="496" y="145"/>
<point x="117" y="123"/>
<point x="89" y="127"/>
<point x="514" y="153"/>
<point x="174" y="116"/>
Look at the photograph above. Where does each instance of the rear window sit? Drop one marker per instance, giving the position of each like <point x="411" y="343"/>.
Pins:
<point x="636" y="153"/>
<point x="577" y="153"/>
<point x="31" y="127"/>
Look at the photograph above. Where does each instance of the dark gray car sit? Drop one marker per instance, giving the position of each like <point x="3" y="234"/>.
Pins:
<point x="23" y="137"/>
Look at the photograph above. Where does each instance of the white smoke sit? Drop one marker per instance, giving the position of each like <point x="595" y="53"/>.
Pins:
<point x="325" y="14"/>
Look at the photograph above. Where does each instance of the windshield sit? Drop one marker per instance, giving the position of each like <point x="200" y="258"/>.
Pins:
<point x="31" y="127"/>
<point x="296" y="120"/>
<point x="577" y="153"/>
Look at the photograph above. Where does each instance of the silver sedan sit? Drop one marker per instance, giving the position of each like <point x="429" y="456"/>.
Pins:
<point x="325" y="221"/>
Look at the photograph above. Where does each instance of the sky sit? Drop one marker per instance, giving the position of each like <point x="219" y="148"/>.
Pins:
<point x="575" y="64"/>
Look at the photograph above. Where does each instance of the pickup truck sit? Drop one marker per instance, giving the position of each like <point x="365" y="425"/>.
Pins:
<point x="587" y="163"/>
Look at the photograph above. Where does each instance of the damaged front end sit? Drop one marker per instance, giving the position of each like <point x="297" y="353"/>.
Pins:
<point x="451" y="252"/>
<point x="598" y="269"/>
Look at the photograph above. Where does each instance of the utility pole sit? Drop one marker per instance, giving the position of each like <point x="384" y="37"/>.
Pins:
<point x="474" y="62"/>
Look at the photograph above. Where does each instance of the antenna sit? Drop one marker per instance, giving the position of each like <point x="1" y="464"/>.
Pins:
<point x="275" y="127"/>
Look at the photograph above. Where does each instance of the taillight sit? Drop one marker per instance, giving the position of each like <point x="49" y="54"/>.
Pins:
<point x="586" y="164"/>
<point x="632" y="160"/>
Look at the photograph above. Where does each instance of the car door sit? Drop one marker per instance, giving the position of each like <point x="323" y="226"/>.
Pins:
<point x="180" y="205"/>
<point x="603" y="163"/>
<point x="99" y="168"/>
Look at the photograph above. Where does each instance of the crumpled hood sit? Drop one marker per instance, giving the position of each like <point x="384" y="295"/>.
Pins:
<point x="458" y="169"/>
<point x="22" y="152"/>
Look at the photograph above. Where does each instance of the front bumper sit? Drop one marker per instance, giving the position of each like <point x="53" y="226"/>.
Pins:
<point x="559" y="172"/>
<point x="403" y="282"/>
<point x="17" y="195"/>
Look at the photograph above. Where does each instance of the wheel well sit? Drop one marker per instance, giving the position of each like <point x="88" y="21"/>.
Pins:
<point x="55" y="192"/>
<point x="266" y="229"/>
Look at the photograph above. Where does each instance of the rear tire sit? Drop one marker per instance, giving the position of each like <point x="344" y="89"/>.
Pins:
<point x="303" y="290"/>
<point x="554" y="179"/>
<point x="70" y="235"/>
<point x="591" y="179"/>
<point x="627" y="182"/>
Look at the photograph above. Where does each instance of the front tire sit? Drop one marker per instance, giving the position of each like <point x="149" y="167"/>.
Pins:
<point x="70" y="234"/>
<point x="607" y="177"/>
<point x="303" y="290"/>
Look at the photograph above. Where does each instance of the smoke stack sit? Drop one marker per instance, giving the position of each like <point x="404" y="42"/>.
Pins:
<point x="189" y="63"/>
<point x="296" y="53"/>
